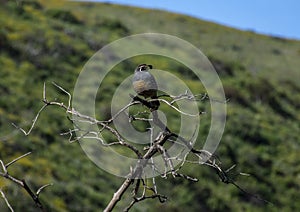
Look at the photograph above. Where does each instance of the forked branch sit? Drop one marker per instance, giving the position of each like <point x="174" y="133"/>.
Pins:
<point x="21" y="182"/>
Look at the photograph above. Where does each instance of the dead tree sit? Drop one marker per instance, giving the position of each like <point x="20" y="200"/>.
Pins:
<point x="135" y="178"/>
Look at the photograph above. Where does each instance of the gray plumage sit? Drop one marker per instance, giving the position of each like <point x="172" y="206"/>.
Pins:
<point x="144" y="84"/>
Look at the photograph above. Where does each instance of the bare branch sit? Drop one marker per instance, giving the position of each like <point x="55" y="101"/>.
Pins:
<point x="20" y="182"/>
<point x="161" y="198"/>
<point x="175" y="108"/>
<point x="33" y="196"/>
<point x="42" y="188"/>
<point x="193" y="179"/>
<point x="63" y="90"/>
<point x="44" y="92"/>
<point x="189" y="97"/>
<point x="167" y="160"/>
<point x="6" y="201"/>
<point x="3" y="167"/>
<point x="137" y="171"/>
<point x="192" y="97"/>
<point x="33" y="122"/>
<point x="18" y="158"/>
<point x="120" y="111"/>
<point x="117" y="196"/>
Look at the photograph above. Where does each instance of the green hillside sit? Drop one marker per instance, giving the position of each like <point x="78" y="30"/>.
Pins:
<point x="46" y="41"/>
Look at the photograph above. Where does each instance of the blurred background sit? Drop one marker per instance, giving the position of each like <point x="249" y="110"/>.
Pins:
<point x="44" y="41"/>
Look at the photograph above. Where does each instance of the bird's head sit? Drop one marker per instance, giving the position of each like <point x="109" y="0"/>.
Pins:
<point x="143" y="67"/>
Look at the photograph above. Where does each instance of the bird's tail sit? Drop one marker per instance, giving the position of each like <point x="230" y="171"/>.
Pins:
<point x="154" y="104"/>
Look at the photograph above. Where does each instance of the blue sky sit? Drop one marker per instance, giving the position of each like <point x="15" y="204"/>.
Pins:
<point x="271" y="17"/>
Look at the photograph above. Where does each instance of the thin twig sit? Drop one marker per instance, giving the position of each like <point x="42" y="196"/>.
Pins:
<point x="175" y="108"/>
<point x="33" y="122"/>
<point x="42" y="188"/>
<point x="18" y="158"/>
<point x="63" y="90"/>
<point x="6" y="201"/>
<point x="120" y="111"/>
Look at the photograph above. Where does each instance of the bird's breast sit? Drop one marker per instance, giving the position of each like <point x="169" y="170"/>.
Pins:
<point x="139" y="86"/>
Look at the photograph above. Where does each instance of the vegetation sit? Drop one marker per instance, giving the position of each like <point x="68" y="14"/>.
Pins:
<point x="45" y="41"/>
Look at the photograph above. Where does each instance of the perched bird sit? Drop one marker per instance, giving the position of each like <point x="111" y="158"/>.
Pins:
<point x="145" y="85"/>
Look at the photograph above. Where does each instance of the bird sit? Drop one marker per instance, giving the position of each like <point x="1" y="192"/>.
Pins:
<point x="144" y="84"/>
